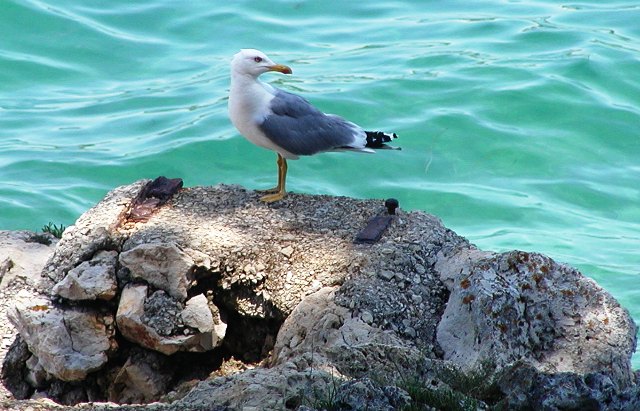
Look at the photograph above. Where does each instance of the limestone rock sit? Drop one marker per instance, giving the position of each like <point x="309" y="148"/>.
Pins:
<point x="162" y="335"/>
<point x="526" y="387"/>
<point x="23" y="254"/>
<point x="91" y="280"/>
<point x="524" y="306"/>
<point x="95" y="230"/>
<point x="287" y="388"/>
<point x="69" y="344"/>
<point x="163" y="265"/>
<point x="343" y="343"/>
<point x="199" y="314"/>
<point x="335" y="316"/>
<point x="363" y="394"/>
<point x="321" y="326"/>
<point x="141" y="379"/>
<point x="14" y="370"/>
<point x="37" y="376"/>
<point x="260" y="389"/>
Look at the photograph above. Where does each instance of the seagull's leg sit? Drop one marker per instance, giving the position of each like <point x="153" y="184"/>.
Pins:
<point x="282" y="177"/>
<point x="273" y="189"/>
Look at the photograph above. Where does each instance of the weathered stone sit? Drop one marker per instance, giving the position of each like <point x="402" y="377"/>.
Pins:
<point x="69" y="343"/>
<point x="37" y="376"/>
<point x="197" y="314"/>
<point x="524" y="306"/>
<point x="162" y="313"/>
<point x="23" y="254"/>
<point x="352" y="314"/>
<point x="95" y="230"/>
<point x="163" y="265"/>
<point x="91" y="280"/>
<point x="143" y="330"/>
<point x="363" y="394"/>
<point x="339" y="341"/>
<point x="261" y="389"/>
<point x="287" y="251"/>
<point x="131" y="325"/>
<point x="386" y="274"/>
<point x="287" y="388"/>
<point x="15" y="371"/>
<point x="526" y="387"/>
<point x="141" y="379"/>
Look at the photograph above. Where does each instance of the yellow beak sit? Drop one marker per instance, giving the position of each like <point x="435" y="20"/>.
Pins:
<point x="281" y="69"/>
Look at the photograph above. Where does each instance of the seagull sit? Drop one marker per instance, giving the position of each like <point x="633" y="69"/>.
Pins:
<point x="287" y="123"/>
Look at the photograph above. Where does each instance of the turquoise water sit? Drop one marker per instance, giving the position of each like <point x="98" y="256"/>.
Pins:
<point x="519" y="120"/>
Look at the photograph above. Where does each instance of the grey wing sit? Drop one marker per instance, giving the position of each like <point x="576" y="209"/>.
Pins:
<point x="301" y="129"/>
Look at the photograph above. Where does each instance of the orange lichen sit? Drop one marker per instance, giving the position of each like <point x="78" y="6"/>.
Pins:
<point x="537" y="278"/>
<point x="468" y="298"/>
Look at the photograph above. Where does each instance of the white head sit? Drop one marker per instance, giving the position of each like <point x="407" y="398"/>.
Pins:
<point x="254" y="62"/>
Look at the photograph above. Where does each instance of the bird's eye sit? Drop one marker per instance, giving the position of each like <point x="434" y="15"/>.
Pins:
<point x="257" y="59"/>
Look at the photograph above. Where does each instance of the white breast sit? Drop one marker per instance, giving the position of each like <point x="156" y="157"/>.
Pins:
<point x="248" y="106"/>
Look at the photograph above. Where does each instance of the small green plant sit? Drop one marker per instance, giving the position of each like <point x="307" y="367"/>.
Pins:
<point x="461" y="391"/>
<point x="477" y="383"/>
<point x="54" y="230"/>
<point x="425" y="398"/>
<point x="324" y="399"/>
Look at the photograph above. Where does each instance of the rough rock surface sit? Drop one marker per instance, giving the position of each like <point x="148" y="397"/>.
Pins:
<point x="317" y="320"/>
<point x="153" y="321"/>
<point x="91" y="280"/>
<point x="23" y="254"/>
<point x="517" y="306"/>
<point x="68" y="344"/>
<point x="164" y="266"/>
<point x="95" y="230"/>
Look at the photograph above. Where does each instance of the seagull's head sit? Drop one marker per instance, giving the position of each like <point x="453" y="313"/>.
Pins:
<point x="254" y="62"/>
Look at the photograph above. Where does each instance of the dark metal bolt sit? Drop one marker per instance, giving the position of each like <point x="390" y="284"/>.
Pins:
<point x="391" y="205"/>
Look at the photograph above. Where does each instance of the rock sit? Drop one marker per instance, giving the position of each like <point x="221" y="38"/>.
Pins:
<point x="23" y="254"/>
<point x="524" y="306"/>
<point x="142" y="379"/>
<point x="37" y="376"/>
<point x="160" y="332"/>
<point x="69" y="344"/>
<point x="367" y="317"/>
<point x="165" y="266"/>
<point x="363" y="394"/>
<point x="15" y="372"/>
<point x="312" y="317"/>
<point x="129" y="319"/>
<point x="261" y="388"/>
<point x="162" y="313"/>
<point x="95" y="230"/>
<point x="287" y="251"/>
<point x="339" y="342"/>
<point x="198" y="315"/>
<point x="91" y="280"/>
<point x="526" y="387"/>
<point x="386" y="274"/>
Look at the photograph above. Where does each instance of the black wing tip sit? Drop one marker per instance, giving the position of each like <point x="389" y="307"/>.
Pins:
<point x="377" y="139"/>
